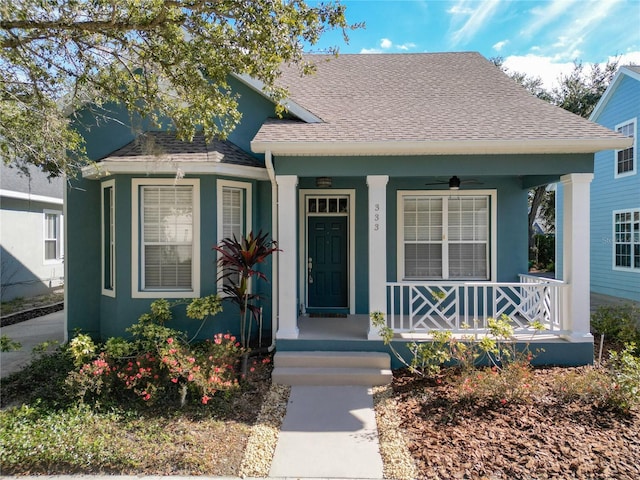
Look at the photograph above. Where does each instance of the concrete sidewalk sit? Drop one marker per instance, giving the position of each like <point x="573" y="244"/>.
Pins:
<point x="328" y="432"/>
<point x="30" y="333"/>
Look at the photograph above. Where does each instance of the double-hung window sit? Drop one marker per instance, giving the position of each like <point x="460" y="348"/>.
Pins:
<point x="626" y="234"/>
<point x="166" y="238"/>
<point x="108" y="238"/>
<point x="626" y="163"/>
<point x="53" y="250"/>
<point x="233" y="211"/>
<point x="445" y="237"/>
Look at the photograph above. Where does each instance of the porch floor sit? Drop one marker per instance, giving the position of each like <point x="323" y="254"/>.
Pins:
<point x="356" y="327"/>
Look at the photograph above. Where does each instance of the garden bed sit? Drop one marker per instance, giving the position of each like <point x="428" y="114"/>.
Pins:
<point x="449" y="437"/>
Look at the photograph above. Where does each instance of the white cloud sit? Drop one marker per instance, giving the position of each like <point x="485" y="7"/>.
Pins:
<point x="500" y="45"/>
<point x="386" y="44"/>
<point x="538" y="66"/>
<point x="460" y="9"/>
<point x="370" y="50"/>
<point x="566" y="25"/>
<point x="549" y="13"/>
<point x="406" y="46"/>
<point x="549" y="69"/>
<point x="478" y="17"/>
<point x="629" y="58"/>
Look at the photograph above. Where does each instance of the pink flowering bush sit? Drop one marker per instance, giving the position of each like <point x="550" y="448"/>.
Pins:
<point x="159" y="364"/>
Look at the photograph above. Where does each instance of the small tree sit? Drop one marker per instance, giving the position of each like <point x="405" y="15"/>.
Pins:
<point x="238" y="261"/>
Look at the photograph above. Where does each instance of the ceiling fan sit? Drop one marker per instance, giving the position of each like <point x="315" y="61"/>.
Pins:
<point x="455" y="182"/>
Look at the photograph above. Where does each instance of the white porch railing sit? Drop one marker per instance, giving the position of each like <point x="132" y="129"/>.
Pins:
<point x="465" y="307"/>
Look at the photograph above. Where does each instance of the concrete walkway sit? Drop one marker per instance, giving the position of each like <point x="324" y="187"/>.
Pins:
<point x="328" y="432"/>
<point x="30" y="333"/>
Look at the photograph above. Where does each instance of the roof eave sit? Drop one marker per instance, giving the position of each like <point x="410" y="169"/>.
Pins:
<point x="448" y="147"/>
<point x="106" y="168"/>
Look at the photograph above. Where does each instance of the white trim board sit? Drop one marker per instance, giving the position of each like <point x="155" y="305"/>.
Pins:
<point x="30" y="197"/>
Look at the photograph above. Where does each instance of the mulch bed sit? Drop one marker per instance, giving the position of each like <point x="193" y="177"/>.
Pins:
<point x="29" y="314"/>
<point x="545" y="439"/>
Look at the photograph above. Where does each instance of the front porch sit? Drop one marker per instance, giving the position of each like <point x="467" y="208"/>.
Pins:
<point x="414" y="308"/>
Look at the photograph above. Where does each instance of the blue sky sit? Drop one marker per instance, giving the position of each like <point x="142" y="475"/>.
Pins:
<point x="541" y="38"/>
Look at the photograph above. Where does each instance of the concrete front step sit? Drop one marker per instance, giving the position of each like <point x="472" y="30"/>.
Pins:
<point x="331" y="368"/>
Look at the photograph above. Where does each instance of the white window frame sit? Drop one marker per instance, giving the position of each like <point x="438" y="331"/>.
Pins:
<point x="633" y="242"/>
<point x="492" y="240"/>
<point x="246" y="187"/>
<point x="59" y="240"/>
<point x="109" y="291"/>
<point x="136" y="246"/>
<point x="634" y="128"/>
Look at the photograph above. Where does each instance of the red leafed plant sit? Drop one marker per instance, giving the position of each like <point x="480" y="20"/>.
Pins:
<point x="238" y="261"/>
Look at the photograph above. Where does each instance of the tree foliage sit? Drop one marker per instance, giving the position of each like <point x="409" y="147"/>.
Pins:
<point x="578" y="92"/>
<point x="164" y="60"/>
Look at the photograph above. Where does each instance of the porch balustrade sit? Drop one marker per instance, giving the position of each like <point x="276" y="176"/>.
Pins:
<point x="419" y="307"/>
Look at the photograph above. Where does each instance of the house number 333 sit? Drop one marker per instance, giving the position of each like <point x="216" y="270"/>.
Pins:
<point x="376" y="217"/>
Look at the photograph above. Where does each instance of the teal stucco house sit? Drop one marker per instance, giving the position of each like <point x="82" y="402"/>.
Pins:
<point x="394" y="183"/>
<point x="615" y="193"/>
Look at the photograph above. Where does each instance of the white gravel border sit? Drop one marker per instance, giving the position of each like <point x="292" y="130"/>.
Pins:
<point x="396" y="458"/>
<point x="264" y="434"/>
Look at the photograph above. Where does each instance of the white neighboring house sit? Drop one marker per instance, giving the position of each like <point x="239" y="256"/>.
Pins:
<point x="31" y="233"/>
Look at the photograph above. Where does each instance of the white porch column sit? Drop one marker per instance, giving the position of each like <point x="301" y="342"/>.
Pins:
<point x="287" y="286"/>
<point x="377" y="247"/>
<point x="576" y="259"/>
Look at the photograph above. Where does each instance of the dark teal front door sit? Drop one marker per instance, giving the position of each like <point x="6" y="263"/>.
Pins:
<point x="327" y="275"/>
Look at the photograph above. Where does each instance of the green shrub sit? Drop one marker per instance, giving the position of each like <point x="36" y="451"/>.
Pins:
<point x="612" y="386"/>
<point x="513" y="383"/>
<point x="618" y="323"/>
<point x="158" y="363"/>
<point x="8" y="345"/>
<point x="625" y="369"/>
<point x="43" y="379"/>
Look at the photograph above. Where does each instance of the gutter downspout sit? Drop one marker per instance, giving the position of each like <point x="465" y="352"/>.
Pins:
<point x="274" y="235"/>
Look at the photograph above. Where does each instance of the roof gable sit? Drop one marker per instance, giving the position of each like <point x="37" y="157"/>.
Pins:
<point x="629" y="71"/>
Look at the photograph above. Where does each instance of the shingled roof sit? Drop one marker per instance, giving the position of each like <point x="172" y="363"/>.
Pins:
<point x="435" y="103"/>
<point x="165" y="146"/>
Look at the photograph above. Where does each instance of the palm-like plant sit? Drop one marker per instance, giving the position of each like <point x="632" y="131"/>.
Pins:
<point x="238" y="261"/>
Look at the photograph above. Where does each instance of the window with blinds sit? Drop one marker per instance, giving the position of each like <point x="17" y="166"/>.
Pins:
<point x="167" y="237"/>
<point x="234" y="215"/>
<point x="52" y="236"/>
<point x="445" y="237"/>
<point x="232" y="224"/>
<point x="232" y="208"/>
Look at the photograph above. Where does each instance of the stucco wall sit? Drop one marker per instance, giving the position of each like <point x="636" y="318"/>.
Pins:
<point x="25" y="272"/>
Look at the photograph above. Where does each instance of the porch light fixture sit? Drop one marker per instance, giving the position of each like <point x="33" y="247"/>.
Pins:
<point x="323" y="182"/>
<point x="454" y="183"/>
